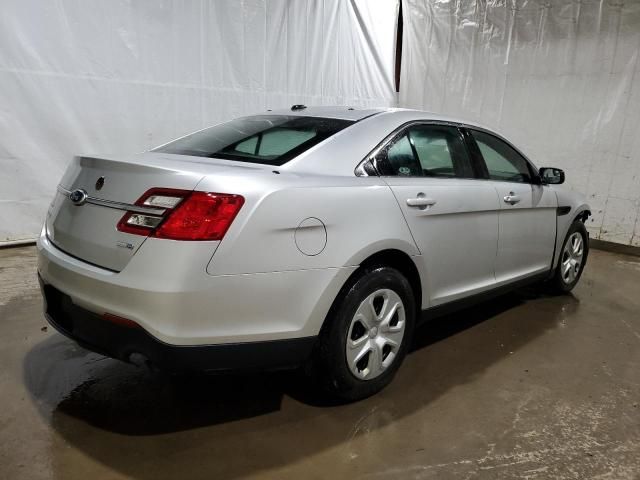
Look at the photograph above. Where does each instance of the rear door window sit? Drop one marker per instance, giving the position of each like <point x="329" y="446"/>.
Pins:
<point x="265" y="139"/>
<point x="426" y="151"/>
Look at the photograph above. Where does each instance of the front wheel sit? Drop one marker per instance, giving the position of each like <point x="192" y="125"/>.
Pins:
<point x="367" y="335"/>
<point x="573" y="258"/>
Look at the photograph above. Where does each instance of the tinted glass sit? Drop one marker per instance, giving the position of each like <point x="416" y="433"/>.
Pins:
<point x="503" y="162"/>
<point x="266" y="139"/>
<point x="401" y="159"/>
<point x="427" y="151"/>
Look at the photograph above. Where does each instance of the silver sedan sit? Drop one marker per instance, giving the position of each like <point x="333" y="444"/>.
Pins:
<point x="311" y="236"/>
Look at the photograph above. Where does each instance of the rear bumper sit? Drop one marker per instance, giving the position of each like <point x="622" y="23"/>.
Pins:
<point x="175" y="301"/>
<point x="136" y="345"/>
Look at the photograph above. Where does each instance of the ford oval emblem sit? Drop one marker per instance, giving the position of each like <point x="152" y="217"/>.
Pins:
<point x="78" y="197"/>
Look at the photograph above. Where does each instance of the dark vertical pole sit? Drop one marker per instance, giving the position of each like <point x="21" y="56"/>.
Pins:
<point x="399" y="46"/>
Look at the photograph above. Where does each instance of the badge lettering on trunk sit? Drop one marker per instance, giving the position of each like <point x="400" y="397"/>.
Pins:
<point x="126" y="245"/>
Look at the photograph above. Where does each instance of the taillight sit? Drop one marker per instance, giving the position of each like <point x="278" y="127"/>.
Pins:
<point x="182" y="214"/>
<point x="157" y="204"/>
<point x="202" y="216"/>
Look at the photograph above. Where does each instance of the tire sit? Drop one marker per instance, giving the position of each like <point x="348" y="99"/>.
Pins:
<point x="363" y="314"/>
<point x="563" y="280"/>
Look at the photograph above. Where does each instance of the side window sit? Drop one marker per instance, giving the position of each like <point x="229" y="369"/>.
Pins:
<point x="433" y="151"/>
<point x="401" y="159"/>
<point x="426" y="151"/>
<point x="502" y="161"/>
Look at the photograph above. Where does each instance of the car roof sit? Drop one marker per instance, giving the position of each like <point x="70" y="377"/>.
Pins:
<point x="342" y="113"/>
<point x="357" y="114"/>
<point x="362" y="137"/>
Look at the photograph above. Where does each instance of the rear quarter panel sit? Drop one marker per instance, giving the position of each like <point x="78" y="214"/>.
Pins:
<point x="360" y="217"/>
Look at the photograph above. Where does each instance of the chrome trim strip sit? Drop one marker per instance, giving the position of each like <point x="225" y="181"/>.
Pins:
<point x="125" y="206"/>
<point x="117" y="205"/>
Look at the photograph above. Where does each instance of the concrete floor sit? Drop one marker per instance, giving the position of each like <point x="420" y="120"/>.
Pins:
<point x="526" y="387"/>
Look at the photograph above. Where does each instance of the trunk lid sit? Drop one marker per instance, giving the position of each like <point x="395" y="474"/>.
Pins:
<point x="88" y="231"/>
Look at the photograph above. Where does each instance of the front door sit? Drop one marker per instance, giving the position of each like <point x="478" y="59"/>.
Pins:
<point x="453" y="216"/>
<point x="527" y="221"/>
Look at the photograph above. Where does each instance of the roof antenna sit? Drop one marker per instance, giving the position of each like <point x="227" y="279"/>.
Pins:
<point x="298" y="107"/>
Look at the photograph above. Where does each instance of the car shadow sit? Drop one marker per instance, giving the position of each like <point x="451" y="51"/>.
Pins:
<point x="147" y="425"/>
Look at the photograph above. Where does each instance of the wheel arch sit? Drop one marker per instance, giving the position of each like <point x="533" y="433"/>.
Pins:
<point x="389" y="257"/>
<point x="580" y="214"/>
<point x="402" y="262"/>
<point x="583" y="215"/>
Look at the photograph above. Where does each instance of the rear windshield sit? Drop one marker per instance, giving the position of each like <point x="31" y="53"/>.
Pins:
<point x="266" y="139"/>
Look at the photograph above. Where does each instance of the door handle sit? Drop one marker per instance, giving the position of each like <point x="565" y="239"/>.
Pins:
<point x="421" y="202"/>
<point x="511" y="199"/>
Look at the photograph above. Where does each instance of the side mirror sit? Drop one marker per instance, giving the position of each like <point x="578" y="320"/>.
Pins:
<point x="552" y="176"/>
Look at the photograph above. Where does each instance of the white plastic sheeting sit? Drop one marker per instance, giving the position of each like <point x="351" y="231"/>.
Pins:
<point x="560" y="78"/>
<point x="122" y="76"/>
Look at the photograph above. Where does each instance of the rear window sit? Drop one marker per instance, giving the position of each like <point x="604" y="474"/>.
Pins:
<point x="266" y="139"/>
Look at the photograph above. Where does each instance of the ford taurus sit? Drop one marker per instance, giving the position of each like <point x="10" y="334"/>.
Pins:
<point x="311" y="236"/>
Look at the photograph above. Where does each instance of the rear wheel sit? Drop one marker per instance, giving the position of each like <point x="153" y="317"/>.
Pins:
<point x="367" y="335"/>
<point x="573" y="258"/>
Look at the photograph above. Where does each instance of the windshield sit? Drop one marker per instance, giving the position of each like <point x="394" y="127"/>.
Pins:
<point x="266" y="139"/>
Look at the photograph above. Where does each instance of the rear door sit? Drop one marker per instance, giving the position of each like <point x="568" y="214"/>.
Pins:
<point x="527" y="221"/>
<point x="452" y="215"/>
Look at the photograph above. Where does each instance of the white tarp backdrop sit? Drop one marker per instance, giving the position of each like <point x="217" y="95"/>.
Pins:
<point x="123" y="76"/>
<point x="561" y="79"/>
